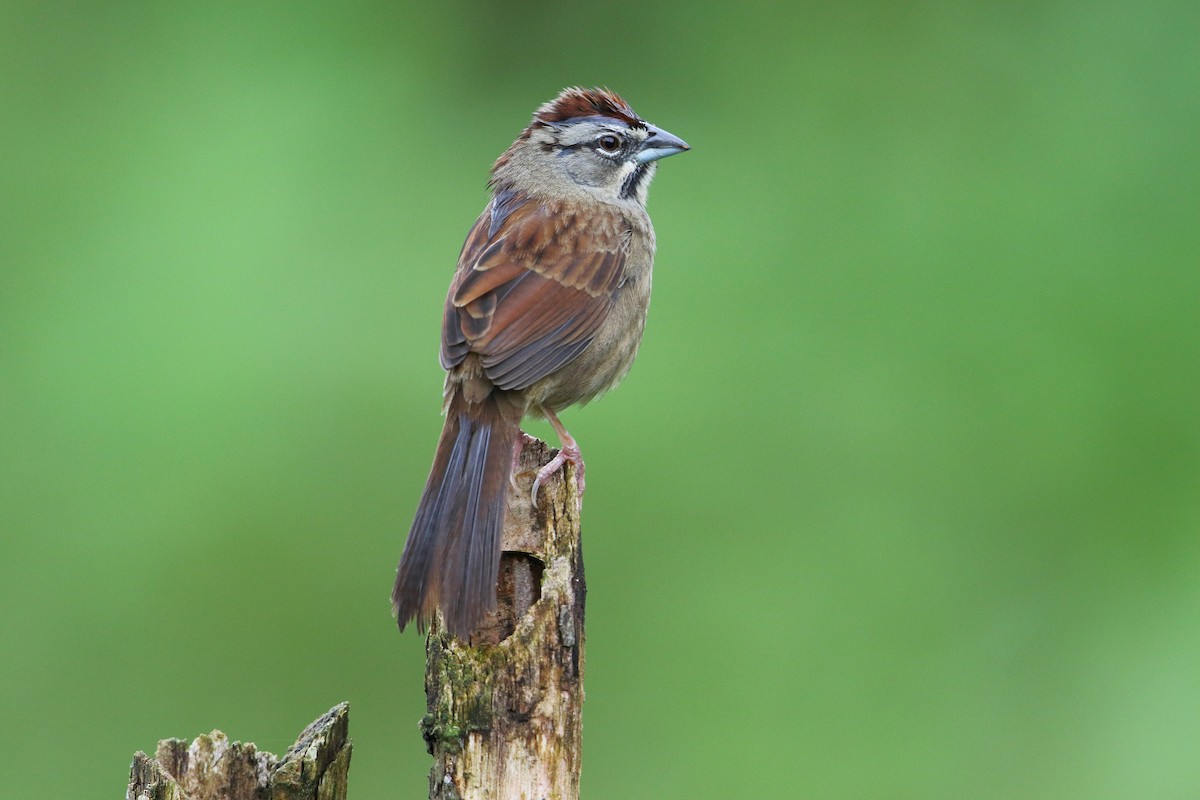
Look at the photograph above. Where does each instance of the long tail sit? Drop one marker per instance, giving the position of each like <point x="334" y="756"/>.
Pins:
<point x="452" y="554"/>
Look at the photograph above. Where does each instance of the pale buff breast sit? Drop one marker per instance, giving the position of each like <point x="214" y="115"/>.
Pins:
<point x="607" y="360"/>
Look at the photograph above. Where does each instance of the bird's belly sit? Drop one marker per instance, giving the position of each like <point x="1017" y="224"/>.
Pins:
<point x="605" y="362"/>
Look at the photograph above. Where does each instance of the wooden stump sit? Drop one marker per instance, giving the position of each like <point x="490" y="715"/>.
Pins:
<point x="213" y="768"/>
<point x="504" y="714"/>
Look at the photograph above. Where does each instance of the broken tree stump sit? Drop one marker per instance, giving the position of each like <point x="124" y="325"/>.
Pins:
<point x="505" y="710"/>
<point x="213" y="768"/>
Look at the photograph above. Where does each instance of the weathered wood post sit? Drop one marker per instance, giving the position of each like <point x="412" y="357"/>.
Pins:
<point x="504" y="714"/>
<point x="213" y="768"/>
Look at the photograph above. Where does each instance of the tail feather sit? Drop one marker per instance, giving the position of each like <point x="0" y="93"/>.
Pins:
<point x="452" y="555"/>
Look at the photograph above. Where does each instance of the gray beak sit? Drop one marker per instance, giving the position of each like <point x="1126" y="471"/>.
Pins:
<point x="660" y="144"/>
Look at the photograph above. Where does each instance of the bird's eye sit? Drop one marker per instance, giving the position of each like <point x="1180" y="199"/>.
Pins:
<point x="609" y="143"/>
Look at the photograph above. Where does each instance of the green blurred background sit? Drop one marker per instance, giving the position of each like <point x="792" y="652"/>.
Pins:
<point x="900" y="501"/>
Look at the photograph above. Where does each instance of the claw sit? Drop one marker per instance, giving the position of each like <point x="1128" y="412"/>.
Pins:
<point x="516" y="461"/>
<point x="568" y="453"/>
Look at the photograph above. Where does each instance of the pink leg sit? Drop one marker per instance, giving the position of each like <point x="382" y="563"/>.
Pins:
<point x="568" y="452"/>
<point x="518" y="445"/>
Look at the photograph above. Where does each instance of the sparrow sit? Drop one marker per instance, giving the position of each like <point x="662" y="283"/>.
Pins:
<point x="546" y="310"/>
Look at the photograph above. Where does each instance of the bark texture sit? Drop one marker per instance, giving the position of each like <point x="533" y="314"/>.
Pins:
<point x="213" y="768"/>
<point x="504" y="717"/>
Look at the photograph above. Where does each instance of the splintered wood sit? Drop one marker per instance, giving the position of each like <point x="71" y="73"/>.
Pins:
<point x="505" y="710"/>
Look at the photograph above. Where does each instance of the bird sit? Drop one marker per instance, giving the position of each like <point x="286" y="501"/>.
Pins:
<point x="546" y="310"/>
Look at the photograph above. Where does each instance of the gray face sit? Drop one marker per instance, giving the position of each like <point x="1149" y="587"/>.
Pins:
<point x="602" y="154"/>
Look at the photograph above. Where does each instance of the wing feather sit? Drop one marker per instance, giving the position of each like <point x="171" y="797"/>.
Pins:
<point x="531" y="291"/>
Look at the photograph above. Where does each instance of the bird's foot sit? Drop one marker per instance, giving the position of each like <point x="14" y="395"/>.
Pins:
<point x="516" y="471"/>
<point x="568" y="453"/>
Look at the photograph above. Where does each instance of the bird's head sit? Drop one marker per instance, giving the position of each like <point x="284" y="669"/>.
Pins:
<point x="590" y="142"/>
